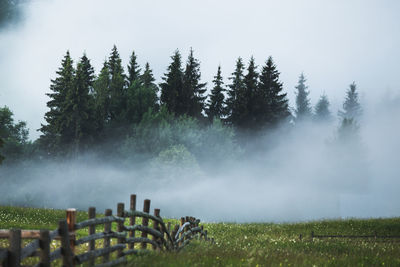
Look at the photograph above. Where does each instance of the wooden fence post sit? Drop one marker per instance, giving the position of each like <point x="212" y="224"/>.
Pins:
<point x="176" y="228"/>
<point x="44" y="242"/>
<point x="132" y="219"/>
<point x="120" y="226"/>
<point x="107" y="229"/>
<point x="145" y="221"/>
<point x="71" y="221"/>
<point x="155" y="225"/>
<point x="65" y="244"/>
<point x="14" y="251"/>
<point x="92" y="231"/>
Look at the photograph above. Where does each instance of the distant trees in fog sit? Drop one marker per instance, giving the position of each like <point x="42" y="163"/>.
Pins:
<point x="128" y="111"/>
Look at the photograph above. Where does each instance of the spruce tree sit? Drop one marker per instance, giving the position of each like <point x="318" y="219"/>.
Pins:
<point x="133" y="70"/>
<point x="172" y="86"/>
<point x="147" y="78"/>
<point x="322" y="112"/>
<point x="117" y="89"/>
<point x="248" y="118"/>
<point x="80" y="124"/>
<point x="216" y="104"/>
<point x="235" y="93"/>
<point x="192" y="98"/>
<point x="56" y="119"/>
<point x="303" y="107"/>
<point x="271" y="103"/>
<point x="102" y="97"/>
<point x="351" y="105"/>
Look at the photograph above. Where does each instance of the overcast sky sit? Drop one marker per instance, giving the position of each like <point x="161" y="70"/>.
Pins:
<point x="333" y="42"/>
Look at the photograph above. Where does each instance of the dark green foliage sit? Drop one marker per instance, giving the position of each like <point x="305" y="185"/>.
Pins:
<point x="102" y="96"/>
<point x="1" y="145"/>
<point x="271" y="104"/>
<point x="322" y="112"/>
<point x="133" y="70"/>
<point x="248" y="118"/>
<point x="13" y="136"/>
<point x="140" y="99"/>
<point x="80" y="125"/>
<point x="192" y="97"/>
<point x="56" y="118"/>
<point x="216" y="104"/>
<point x="147" y="78"/>
<point x="117" y="89"/>
<point x="236" y="94"/>
<point x="303" y="107"/>
<point x="351" y="105"/>
<point x="172" y="87"/>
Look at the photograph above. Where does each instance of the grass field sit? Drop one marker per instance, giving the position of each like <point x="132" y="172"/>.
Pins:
<point x="261" y="244"/>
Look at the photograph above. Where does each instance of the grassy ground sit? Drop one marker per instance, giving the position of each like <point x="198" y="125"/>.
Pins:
<point x="253" y="244"/>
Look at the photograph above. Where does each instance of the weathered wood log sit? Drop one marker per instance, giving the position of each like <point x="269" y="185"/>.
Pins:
<point x="44" y="243"/>
<point x="56" y="254"/>
<point x="97" y="253"/>
<point x="107" y="229"/>
<point x="97" y="236"/>
<point x="144" y="229"/>
<point x="92" y="231"/>
<point x="32" y="234"/>
<point x="14" y="250"/>
<point x="112" y="263"/>
<point x="132" y="219"/>
<point x="29" y="249"/>
<point x="145" y="221"/>
<point x="3" y="255"/>
<point x="66" y="251"/>
<point x="120" y="226"/>
<point x="97" y="221"/>
<point x="189" y="232"/>
<point x="156" y="227"/>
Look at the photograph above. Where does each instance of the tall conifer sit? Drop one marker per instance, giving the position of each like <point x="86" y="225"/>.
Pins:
<point x="216" y="104"/>
<point x="303" y="107"/>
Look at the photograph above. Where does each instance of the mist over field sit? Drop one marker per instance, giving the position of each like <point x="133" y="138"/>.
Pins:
<point x="297" y="172"/>
<point x="292" y="175"/>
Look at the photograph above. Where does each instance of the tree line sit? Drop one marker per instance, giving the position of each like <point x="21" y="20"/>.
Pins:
<point x="86" y="109"/>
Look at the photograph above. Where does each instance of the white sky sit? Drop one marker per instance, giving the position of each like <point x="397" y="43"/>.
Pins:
<point x="333" y="42"/>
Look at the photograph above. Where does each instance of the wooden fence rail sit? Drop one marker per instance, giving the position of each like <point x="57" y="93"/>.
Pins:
<point x="122" y="241"/>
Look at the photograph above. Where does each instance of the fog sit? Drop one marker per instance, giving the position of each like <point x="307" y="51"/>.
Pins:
<point x="297" y="174"/>
<point x="294" y="174"/>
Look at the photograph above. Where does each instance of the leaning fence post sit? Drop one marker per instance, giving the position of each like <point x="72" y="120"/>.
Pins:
<point x="71" y="221"/>
<point x="44" y="242"/>
<point x="120" y="226"/>
<point x="65" y="244"/>
<point x="145" y="221"/>
<point x="14" y="251"/>
<point x="132" y="220"/>
<point x="155" y="225"/>
<point x="107" y="229"/>
<point x="182" y="230"/>
<point x="92" y="231"/>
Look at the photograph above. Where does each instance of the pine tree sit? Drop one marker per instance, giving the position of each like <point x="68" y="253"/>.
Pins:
<point x="56" y="119"/>
<point x="322" y="112"/>
<point x="216" y="104"/>
<point x="351" y="105"/>
<point x="271" y="103"/>
<point x="235" y="93"/>
<point x="1" y="145"/>
<point x="303" y="107"/>
<point x="80" y="124"/>
<point x="133" y="70"/>
<point x="117" y="89"/>
<point x="172" y="86"/>
<point x="102" y="97"/>
<point x="192" y="97"/>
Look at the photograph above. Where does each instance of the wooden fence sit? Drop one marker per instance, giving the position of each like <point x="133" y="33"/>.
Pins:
<point x="159" y="237"/>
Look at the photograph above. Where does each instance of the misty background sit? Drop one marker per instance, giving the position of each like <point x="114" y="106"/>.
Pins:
<point x="296" y="175"/>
